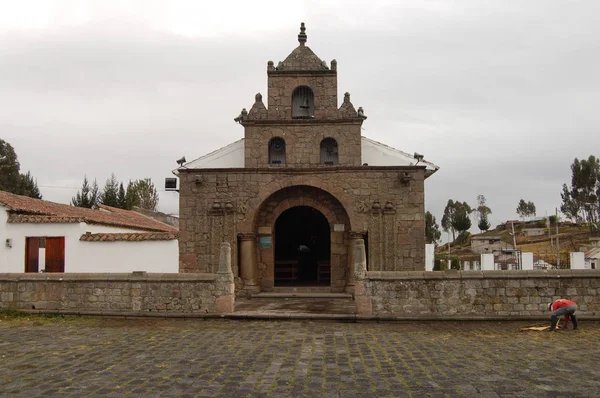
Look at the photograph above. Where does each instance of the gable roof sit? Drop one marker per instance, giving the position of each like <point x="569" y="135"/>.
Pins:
<point x="373" y="153"/>
<point x="23" y="209"/>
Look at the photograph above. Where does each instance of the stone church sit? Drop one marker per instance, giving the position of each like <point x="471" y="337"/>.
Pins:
<point x="300" y="188"/>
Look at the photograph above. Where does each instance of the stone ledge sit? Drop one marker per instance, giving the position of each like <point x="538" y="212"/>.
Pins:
<point x="450" y="275"/>
<point x="309" y="316"/>
<point x="106" y="277"/>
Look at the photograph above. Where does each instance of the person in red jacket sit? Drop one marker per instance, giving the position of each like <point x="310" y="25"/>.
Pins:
<point x="562" y="307"/>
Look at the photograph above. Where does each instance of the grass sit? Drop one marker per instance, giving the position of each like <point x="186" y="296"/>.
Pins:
<point x="23" y="317"/>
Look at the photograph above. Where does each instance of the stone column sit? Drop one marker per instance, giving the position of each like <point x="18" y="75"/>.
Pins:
<point x="362" y="297"/>
<point x="353" y="238"/>
<point x="248" y="258"/>
<point x="224" y="285"/>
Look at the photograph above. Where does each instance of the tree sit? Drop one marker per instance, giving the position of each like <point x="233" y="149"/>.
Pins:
<point x="569" y="206"/>
<point x="481" y="213"/>
<point x="447" y="218"/>
<point x="456" y="217"/>
<point x="9" y="167"/>
<point x="122" y="198"/>
<point x="11" y="180"/>
<point x="483" y="223"/>
<point x="531" y="209"/>
<point x="110" y="193"/>
<point x="522" y="209"/>
<point x="582" y="200"/>
<point x="88" y="196"/>
<point x="432" y="230"/>
<point x="29" y="187"/>
<point x="147" y="195"/>
<point x="461" y="221"/>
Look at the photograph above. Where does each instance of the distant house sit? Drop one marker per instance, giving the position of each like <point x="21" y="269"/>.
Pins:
<point x="42" y="236"/>
<point x="487" y="244"/>
<point x="592" y="258"/>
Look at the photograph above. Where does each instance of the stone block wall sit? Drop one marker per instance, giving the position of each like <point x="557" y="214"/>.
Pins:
<point x="216" y="205"/>
<point x="302" y="140"/>
<point x="113" y="293"/>
<point x="479" y="295"/>
<point x="283" y="84"/>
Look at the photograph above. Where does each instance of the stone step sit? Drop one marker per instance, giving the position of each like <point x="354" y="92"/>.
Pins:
<point x="307" y="295"/>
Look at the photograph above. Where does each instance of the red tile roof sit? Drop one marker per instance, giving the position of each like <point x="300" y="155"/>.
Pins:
<point x="26" y="209"/>
<point x="128" y="237"/>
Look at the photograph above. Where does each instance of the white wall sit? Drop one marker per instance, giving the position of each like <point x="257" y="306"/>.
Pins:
<point x="151" y="256"/>
<point x="487" y="262"/>
<point x="527" y="261"/>
<point x="577" y="260"/>
<point x="429" y="256"/>
<point x="3" y="249"/>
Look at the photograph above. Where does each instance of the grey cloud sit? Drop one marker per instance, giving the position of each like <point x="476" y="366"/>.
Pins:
<point x="501" y="95"/>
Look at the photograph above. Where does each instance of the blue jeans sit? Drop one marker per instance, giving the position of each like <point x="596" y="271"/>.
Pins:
<point x="568" y="310"/>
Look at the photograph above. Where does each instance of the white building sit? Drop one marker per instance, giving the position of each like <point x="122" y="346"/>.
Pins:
<point x="42" y="236"/>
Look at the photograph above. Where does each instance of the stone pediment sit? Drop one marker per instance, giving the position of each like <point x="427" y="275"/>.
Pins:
<point x="302" y="59"/>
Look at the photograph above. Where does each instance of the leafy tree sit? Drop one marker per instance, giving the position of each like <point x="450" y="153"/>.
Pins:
<point x="455" y="264"/>
<point x="460" y="220"/>
<point x="531" y="209"/>
<point x="522" y="209"/>
<point x="122" y="197"/>
<point x="456" y="217"/>
<point x="147" y="195"/>
<point x="9" y="167"/>
<point x="447" y="218"/>
<point x="131" y="197"/>
<point x="569" y="206"/>
<point x="110" y="193"/>
<point x="88" y="196"/>
<point x="483" y="223"/>
<point x="481" y="212"/>
<point x="582" y="200"/>
<point x="11" y="180"/>
<point x="28" y="186"/>
<point x="432" y="230"/>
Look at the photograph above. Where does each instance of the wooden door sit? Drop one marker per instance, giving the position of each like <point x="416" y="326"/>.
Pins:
<point x="32" y="254"/>
<point x="55" y="254"/>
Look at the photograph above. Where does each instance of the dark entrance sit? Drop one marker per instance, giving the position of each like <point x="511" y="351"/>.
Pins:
<point x="302" y="248"/>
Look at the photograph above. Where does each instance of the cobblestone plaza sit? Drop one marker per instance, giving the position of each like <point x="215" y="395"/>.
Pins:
<point x="248" y="358"/>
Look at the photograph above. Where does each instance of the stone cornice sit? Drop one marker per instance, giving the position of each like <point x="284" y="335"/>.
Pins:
<point x="299" y="122"/>
<point x="302" y="73"/>
<point x="281" y="169"/>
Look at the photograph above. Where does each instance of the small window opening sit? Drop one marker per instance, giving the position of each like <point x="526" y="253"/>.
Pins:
<point x="303" y="103"/>
<point x="277" y="151"/>
<point x="329" y="151"/>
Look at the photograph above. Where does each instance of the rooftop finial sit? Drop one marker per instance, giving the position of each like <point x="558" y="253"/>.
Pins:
<point x="302" y="34"/>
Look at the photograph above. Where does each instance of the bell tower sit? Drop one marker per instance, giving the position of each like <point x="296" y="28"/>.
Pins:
<point x="302" y="125"/>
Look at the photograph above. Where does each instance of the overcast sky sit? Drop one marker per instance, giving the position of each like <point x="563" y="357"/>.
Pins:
<point x="502" y="95"/>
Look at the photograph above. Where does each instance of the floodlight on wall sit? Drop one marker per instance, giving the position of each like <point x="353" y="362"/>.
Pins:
<point x="419" y="157"/>
<point x="9" y="243"/>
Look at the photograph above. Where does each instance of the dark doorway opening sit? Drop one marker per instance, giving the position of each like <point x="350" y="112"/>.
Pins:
<point x="302" y="248"/>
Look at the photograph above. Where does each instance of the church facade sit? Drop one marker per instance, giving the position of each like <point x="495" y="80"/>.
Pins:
<point x="300" y="188"/>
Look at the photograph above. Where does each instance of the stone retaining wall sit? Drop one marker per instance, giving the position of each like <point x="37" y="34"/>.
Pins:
<point x="117" y="293"/>
<point x="484" y="294"/>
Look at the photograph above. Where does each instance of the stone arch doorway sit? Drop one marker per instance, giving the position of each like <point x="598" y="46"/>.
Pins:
<point x="302" y="248"/>
<point x="338" y="227"/>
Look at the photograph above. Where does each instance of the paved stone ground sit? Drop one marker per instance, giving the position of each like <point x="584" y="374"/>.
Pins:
<point x="87" y="357"/>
